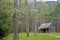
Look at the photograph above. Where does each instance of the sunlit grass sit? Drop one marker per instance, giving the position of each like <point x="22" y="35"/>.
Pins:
<point x="58" y="34"/>
<point x="22" y="36"/>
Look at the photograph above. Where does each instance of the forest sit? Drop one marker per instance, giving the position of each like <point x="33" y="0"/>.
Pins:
<point x="26" y="16"/>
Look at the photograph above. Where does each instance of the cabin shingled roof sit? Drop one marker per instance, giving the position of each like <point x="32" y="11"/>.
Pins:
<point x="44" y="25"/>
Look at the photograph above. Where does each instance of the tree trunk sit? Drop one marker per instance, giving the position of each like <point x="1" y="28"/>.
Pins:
<point x="27" y="24"/>
<point x="35" y="23"/>
<point x="35" y="18"/>
<point x="15" y="28"/>
<point x="27" y="18"/>
<point x="15" y="24"/>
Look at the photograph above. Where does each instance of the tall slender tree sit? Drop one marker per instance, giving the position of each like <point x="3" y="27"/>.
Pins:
<point x="15" y="24"/>
<point x="27" y="18"/>
<point x="35" y="17"/>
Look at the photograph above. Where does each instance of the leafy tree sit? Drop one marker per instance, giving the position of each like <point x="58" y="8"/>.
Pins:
<point x="43" y="12"/>
<point x="56" y="14"/>
<point x="5" y="19"/>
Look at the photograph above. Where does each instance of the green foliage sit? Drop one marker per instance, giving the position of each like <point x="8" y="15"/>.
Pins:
<point x="57" y="8"/>
<point x="5" y="18"/>
<point x="44" y="11"/>
<point x="56" y="14"/>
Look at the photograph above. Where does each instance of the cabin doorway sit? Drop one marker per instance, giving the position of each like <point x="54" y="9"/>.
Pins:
<point x="45" y="30"/>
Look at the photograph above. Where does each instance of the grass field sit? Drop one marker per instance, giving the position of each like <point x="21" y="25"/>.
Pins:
<point x="22" y="36"/>
<point x="58" y="34"/>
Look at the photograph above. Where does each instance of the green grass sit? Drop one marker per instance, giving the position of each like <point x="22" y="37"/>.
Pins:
<point x="58" y="34"/>
<point x="22" y="36"/>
